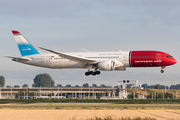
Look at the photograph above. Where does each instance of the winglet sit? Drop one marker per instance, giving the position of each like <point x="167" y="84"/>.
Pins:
<point x="15" y="32"/>
<point x="85" y="50"/>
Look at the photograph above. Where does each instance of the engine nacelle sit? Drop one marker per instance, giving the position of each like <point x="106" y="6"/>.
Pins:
<point x="108" y="65"/>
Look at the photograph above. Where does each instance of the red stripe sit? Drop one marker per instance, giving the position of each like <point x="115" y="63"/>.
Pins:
<point x="15" y="32"/>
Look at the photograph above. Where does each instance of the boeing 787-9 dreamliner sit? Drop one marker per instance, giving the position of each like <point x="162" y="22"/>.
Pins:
<point x="99" y="61"/>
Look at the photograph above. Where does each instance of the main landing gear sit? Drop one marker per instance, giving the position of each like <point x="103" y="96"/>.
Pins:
<point x="162" y="67"/>
<point x="92" y="73"/>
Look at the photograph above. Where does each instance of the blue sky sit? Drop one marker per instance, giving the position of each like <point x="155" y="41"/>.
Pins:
<point x="97" y="25"/>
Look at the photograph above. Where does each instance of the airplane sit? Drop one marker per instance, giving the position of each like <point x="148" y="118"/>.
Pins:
<point x="99" y="61"/>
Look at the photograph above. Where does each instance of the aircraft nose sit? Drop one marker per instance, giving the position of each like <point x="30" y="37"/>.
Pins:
<point x="174" y="61"/>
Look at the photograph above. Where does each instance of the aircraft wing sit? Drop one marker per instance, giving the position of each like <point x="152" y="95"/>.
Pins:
<point x="17" y="58"/>
<point x="78" y="59"/>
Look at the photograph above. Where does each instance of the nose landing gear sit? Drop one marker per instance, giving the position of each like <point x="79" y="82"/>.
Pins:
<point x="162" y="67"/>
<point x="162" y="71"/>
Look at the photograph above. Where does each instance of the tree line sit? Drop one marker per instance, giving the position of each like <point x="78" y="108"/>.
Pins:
<point x="45" y="80"/>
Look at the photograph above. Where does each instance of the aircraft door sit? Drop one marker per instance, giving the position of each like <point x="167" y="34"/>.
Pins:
<point x="125" y="57"/>
<point x="158" y="56"/>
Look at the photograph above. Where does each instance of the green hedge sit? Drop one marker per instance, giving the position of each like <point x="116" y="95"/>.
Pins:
<point x="122" y="101"/>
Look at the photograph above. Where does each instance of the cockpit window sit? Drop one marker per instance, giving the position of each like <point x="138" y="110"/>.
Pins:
<point x="169" y="56"/>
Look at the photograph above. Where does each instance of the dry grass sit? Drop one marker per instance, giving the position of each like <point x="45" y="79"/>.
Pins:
<point x="122" y="118"/>
<point x="51" y="114"/>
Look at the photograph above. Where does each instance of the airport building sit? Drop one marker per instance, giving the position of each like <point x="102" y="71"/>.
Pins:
<point x="90" y="92"/>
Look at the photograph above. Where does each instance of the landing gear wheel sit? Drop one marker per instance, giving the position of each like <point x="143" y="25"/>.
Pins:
<point x="162" y="71"/>
<point x="98" y="72"/>
<point x="90" y="72"/>
<point x="87" y="73"/>
<point x="94" y="73"/>
<point x="162" y="67"/>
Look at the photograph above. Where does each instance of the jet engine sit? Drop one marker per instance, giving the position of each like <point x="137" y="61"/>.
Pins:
<point x="108" y="65"/>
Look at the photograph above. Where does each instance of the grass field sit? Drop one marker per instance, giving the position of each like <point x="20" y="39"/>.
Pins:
<point x="115" y="101"/>
<point x="90" y="106"/>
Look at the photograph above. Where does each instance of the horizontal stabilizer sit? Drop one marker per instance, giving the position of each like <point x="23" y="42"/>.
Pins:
<point x="17" y="58"/>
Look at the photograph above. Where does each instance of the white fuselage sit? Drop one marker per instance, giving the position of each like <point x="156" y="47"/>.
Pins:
<point x="50" y="60"/>
<point x="103" y="61"/>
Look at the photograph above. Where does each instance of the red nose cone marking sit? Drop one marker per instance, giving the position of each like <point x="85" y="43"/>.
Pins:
<point x="174" y="61"/>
